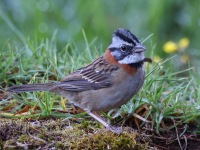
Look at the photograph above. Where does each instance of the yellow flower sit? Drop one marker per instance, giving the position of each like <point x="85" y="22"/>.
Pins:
<point x="156" y="59"/>
<point x="170" y="47"/>
<point x="184" y="58"/>
<point x="183" y="43"/>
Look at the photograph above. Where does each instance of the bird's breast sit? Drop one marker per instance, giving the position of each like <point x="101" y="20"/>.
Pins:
<point x="123" y="87"/>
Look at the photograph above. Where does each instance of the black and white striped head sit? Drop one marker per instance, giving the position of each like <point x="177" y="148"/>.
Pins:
<point x="126" y="48"/>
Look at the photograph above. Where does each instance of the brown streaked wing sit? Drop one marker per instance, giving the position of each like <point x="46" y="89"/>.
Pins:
<point x="92" y="77"/>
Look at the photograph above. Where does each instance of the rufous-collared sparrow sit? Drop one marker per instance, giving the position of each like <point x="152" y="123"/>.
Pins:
<point x="106" y="83"/>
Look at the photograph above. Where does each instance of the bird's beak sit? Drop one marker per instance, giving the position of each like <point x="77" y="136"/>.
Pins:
<point x="139" y="48"/>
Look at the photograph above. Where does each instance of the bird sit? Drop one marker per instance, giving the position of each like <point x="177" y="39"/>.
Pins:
<point x="106" y="83"/>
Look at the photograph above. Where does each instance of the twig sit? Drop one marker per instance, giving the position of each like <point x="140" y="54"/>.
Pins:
<point x="25" y="146"/>
<point x="186" y="143"/>
<point x="158" y="146"/>
<point x="177" y="134"/>
<point x="37" y="138"/>
<point x="141" y="118"/>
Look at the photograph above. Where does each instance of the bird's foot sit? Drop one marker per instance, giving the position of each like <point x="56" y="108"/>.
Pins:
<point x="114" y="129"/>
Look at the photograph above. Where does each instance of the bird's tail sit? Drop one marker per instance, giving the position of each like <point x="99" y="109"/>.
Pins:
<point x="30" y="88"/>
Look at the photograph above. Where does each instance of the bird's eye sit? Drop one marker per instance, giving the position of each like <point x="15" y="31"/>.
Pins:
<point x="123" y="48"/>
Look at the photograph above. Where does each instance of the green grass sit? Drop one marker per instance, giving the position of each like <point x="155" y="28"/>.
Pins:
<point x="169" y="100"/>
<point x="39" y="63"/>
<point x="166" y="96"/>
<point x="44" y="41"/>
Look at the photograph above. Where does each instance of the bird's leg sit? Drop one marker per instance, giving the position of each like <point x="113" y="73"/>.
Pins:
<point x="109" y="127"/>
<point x="98" y="118"/>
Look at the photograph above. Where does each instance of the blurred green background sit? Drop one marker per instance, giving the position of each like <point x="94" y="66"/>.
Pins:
<point x="169" y="20"/>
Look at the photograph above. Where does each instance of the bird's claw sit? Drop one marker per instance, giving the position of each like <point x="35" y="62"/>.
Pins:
<point x="114" y="129"/>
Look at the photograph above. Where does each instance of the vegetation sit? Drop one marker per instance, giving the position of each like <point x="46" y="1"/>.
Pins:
<point x="46" y="42"/>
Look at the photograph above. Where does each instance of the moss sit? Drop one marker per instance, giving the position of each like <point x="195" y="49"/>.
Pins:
<point x="23" y="138"/>
<point x="62" y="135"/>
<point x="9" y="144"/>
<point x="109" y="140"/>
